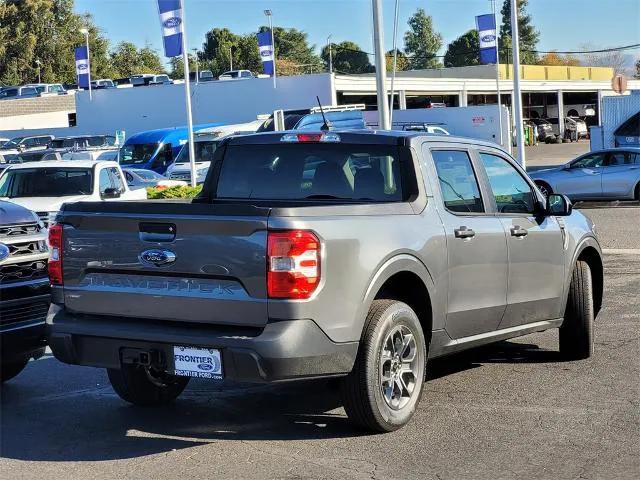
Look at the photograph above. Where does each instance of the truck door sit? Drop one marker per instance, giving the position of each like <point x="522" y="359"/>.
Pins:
<point x="476" y="247"/>
<point x="535" y="246"/>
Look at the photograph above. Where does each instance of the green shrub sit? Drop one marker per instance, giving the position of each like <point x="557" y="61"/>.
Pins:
<point x="173" y="192"/>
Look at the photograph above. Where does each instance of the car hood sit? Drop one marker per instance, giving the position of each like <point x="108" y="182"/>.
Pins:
<point x="13" y="213"/>
<point x="45" y="204"/>
<point x="186" y="167"/>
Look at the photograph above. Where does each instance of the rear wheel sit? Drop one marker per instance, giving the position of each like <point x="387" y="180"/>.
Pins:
<point x="384" y="388"/>
<point x="8" y="370"/>
<point x="576" y="332"/>
<point x="544" y="188"/>
<point x="637" y="195"/>
<point x="145" y="387"/>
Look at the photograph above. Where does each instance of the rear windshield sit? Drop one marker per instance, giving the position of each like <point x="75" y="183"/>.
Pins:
<point x="311" y="171"/>
<point x="46" y="182"/>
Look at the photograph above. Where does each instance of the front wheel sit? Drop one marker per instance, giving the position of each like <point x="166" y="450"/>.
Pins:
<point x="383" y="389"/>
<point x="144" y="387"/>
<point x="576" y="332"/>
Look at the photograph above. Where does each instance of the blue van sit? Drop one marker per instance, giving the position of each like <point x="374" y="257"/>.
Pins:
<point x="156" y="149"/>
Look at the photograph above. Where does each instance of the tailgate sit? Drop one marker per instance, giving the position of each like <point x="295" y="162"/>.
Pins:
<point x="165" y="261"/>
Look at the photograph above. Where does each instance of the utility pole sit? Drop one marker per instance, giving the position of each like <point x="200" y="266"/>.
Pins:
<point x="330" y="54"/>
<point x="395" y="62"/>
<point x="517" y="93"/>
<point x="195" y="58"/>
<point x="230" y="58"/>
<point x="381" y="66"/>
<point x="38" y="62"/>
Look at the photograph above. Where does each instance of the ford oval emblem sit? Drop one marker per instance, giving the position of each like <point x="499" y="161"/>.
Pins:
<point x="488" y="38"/>
<point x="82" y="66"/>
<point x="157" y="258"/>
<point x="4" y="251"/>
<point x="265" y="53"/>
<point x="205" y="366"/>
<point x="172" y="22"/>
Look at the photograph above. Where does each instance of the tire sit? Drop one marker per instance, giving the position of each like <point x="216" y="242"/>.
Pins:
<point x="8" y="370"/>
<point x="371" y="402"/>
<point x="137" y="385"/>
<point x="576" y="332"/>
<point x="544" y="188"/>
<point x="637" y="193"/>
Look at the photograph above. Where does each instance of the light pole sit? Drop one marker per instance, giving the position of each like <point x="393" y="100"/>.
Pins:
<point x="517" y="94"/>
<point x="195" y="58"/>
<point x="269" y="15"/>
<point x="330" y="54"/>
<point x="38" y="63"/>
<point x="85" y="32"/>
<point x="381" y="66"/>
<point x="231" y="58"/>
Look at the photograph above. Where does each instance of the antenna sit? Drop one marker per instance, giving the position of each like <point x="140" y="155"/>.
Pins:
<point x="325" y="126"/>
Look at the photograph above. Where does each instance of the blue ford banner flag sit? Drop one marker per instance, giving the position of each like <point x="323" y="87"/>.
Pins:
<point x="82" y="66"/>
<point x="487" y="35"/>
<point x="171" y="21"/>
<point x="266" y="52"/>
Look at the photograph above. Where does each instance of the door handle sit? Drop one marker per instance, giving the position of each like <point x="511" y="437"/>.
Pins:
<point x="464" y="232"/>
<point x="517" y="231"/>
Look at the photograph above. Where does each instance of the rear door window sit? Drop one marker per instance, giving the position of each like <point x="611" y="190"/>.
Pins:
<point x="458" y="182"/>
<point x="312" y="171"/>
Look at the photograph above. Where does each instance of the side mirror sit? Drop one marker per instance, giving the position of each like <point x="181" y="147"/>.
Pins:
<point x="110" y="193"/>
<point x="559" y="205"/>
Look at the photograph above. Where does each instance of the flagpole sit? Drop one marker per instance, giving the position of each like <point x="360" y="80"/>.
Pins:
<point x="187" y="94"/>
<point x="381" y="66"/>
<point x="495" y="20"/>
<point x="395" y="63"/>
<point x="517" y="93"/>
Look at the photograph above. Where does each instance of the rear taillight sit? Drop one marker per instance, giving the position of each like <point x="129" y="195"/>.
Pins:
<point x="55" y="254"/>
<point x="293" y="264"/>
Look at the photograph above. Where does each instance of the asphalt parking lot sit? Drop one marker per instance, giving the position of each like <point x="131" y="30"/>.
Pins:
<point x="512" y="410"/>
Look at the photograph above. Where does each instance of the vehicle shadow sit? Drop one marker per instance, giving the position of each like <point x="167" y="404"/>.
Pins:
<point x="91" y="423"/>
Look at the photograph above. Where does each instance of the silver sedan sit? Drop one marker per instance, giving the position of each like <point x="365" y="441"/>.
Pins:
<point x="612" y="174"/>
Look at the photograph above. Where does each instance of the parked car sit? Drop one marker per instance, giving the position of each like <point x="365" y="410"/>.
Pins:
<point x="368" y="271"/>
<point x="612" y="174"/>
<point x="3" y="140"/>
<point x="24" y="288"/>
<point x="150" y="79"/>
<point x="12" y="93"/>
<point x="82" y="142"/>
<point x="45" y="186"/>
<point x="102" y="83"/>
<point x="577" y="125"/>
<point x="628" y="134"/>
<point x="426" y="127"/>
<point x="206" y="142"/>
<point x="236" y="75"/>
<point x="52" y="88"/>
<point x="545" y="129"/>
<point x="26" y="144"/>
<point x="138" y="178"/>
<point x="155" y="149"/>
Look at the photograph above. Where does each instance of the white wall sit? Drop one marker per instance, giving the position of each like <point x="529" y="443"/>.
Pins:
<point x="35" y="121"/>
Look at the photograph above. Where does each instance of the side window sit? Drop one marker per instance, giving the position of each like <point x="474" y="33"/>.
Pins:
<point x="44" y="141"/>
<point x="458" y="182"/>
<point x="512" y="192"/>
<point x="104" y="180"/>
<point x="616" y="159"/>
<point x="164" y="157"/>
<point x="589" y="161"/>
<point x="118" y="184"/>
<point x="30" y="142"/>
<point x="637" y="158"/>
<point x="129" y="177"/>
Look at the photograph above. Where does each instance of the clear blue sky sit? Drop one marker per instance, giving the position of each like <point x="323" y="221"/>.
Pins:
<point x="563" y="24"/>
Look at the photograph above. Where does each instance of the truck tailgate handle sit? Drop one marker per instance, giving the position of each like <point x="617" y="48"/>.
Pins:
<point x="157" y="232"/>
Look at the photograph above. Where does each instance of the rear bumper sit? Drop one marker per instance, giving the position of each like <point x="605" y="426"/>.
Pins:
<point x="285" y="350"/>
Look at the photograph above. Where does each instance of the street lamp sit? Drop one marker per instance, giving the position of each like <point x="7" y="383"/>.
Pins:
<point x="38" y="63"/>
<point x="269" y="15"/>
<point x="85" y="32"/>
<point x="195" y="57"/>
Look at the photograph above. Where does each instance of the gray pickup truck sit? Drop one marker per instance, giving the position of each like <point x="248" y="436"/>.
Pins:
<point x="348" y="254"/>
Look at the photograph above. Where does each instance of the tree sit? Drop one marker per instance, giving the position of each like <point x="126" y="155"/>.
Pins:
<point x="402" y="61"/>
<point x="47" y="31"/>
<point x="421" y="42"/>
<point x="217" y="48"/>
<point x="348" y="57"/>
<point x="463" y="51"/>
<point x="613" y="59"/>
<point x="527" y="35"/>
<point x="127" y="60"/>
<point x="552" y="58"/>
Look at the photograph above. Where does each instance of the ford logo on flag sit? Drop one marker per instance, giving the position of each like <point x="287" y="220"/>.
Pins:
<point x="82" y="66"/>
<point x="157" y="258"/>
<point x="172" y="22"/>
<point x="4" y="251"/>
<point x="488" y="38"/>
<point x="265" y="53"/>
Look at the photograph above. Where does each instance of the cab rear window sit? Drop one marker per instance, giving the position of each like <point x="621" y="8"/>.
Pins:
<point x="312" y="172"/>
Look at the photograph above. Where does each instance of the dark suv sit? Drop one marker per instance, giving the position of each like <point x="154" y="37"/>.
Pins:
<point x="24" y="288"/>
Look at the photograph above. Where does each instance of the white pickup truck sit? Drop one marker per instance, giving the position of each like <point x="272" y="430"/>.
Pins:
<point x="44" y="187"/>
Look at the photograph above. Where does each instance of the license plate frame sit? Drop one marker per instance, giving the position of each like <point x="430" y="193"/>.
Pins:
<point x="197" y="362"/>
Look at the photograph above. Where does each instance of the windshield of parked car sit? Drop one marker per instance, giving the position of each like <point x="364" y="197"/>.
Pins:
<point x="46" y="182"/>
<point x="204" y="151"/>
<point x="137" y="154"/>
<point x="148" y="174"/>
<point x="14" y="142"/>
<point x="311" y="171"/>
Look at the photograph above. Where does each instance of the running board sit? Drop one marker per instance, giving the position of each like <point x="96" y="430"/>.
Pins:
<point x="442" y="344"/>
